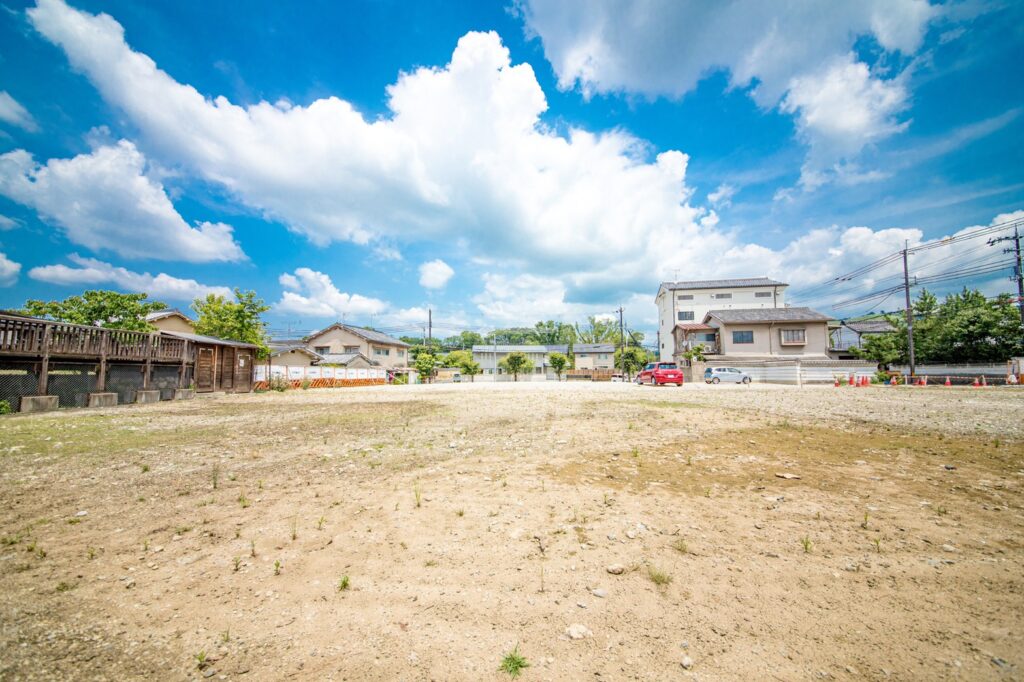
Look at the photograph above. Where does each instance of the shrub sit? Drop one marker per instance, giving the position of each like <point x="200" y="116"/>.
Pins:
<point x="278" y="383"/>
<point x="305" y="384"/>
<point x="401" y="380"/>
<point x="5" y="407"/>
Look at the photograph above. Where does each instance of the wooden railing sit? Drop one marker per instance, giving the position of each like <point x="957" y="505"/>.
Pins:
<point x="26" y="336"/>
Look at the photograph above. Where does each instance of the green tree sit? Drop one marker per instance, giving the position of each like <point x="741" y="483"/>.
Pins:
<point x="458" y="358"/>
<point x="471" y="369"/>
<point x="883" y="349"/>
<point x="464" y="340"/>
<point x="97" y="308"/>
<point x="237" y="320"/>
<point x="631" y="360"/>
<point x="598" y="331"/>
<point x="515" y="336"/>
<point x="558" y="363"/>
<point x="516" y="363"/>
<point x="695" y="353"/>
<point x="553" y="333"/>
<point x="426" y="366"/>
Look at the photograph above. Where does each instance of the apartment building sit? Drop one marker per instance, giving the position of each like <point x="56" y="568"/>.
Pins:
<point x="685" y="304"/>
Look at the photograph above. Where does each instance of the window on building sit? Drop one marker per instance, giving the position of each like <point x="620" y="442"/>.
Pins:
<point x="583" y="355"/>
<point x="793" y="337"/>
<point x="603" y="356"/>
<point x="762" y="294"/>
<point x="743" y="337"/>
<point x="709" y="338"/>
<point x="400" y="353"/>
<point x="351" y="349"/>
<point x="684" y="315"/>
<point x="382" y="351"/>
<point x="322" y="350"/>
<point x="721" y="295"/>
<point x="685" y="297"/>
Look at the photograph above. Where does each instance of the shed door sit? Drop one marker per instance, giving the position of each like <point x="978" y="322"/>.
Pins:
<point x="243" y="372"/>
<point x="227" y="368"/>
<point x="204" y="370"/>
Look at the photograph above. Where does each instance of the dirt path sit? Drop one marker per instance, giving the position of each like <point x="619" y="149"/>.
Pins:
<point x="762" y="533"/>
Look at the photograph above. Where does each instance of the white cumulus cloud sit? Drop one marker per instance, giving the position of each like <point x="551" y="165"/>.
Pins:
<point x="435" y="274"/>
<point x="11" y="111"/>
<point x="308" y="292"/>
<point x="89" y="271"/>
<point x="666" y="47"/>
<point x="8" y="271"/>
<point x="104" y="201"/>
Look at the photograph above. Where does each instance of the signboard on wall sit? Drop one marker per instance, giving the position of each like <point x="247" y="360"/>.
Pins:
<point x="278" y="371"/>
<point x="261" y="372"/>
<point x="362" y="373"/>
<point x="296" y="372"/>
<point x="312" y="372"/>
<point x="327" y="372"/>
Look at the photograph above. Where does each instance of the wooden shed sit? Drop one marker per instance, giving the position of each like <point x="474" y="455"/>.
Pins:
<point x="220" y="365"/>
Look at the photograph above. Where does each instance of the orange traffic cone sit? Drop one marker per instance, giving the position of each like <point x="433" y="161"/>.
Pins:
<point x="865" y="381"/>
<point x="983" y="382"/>
<point x="837" y="382"/>
<point x="948" y="382"/>
<point x="976" y="383"/>
<point x="924" y="380"/>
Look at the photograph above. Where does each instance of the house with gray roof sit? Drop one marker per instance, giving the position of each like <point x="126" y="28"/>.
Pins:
<point x="338" y="340"/>
<point x="764" y="334"/>
<point x="683" y="305"/>
<point x="851" y="334"/>
<point x="489" y="357"/>
<point x="594" y="355"/>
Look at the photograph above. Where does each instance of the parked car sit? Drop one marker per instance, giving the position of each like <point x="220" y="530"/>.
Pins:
<point x="657" y="373"/>
<point x="716" y="375"/>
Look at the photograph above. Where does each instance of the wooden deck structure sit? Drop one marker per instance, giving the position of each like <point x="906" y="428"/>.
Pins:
<point x="212" y="364"/>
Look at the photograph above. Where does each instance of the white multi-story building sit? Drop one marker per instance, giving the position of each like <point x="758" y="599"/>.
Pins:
<point x="688" y="303"/>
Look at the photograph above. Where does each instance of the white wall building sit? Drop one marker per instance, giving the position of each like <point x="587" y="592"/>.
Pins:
<point x="689" y="302"/>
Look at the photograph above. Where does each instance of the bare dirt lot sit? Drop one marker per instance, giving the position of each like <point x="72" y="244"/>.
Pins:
<point x="421" y="533"/>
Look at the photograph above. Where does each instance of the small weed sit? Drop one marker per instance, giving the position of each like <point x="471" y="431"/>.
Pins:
<point x="215" y="475"/>
<point x="295" y="527"/>
<point x="145" y="545"/>
<point x="542" y="578"/>
<point x="680" y="546"/>
<point x="181" y="530"/>
<point x="320" y="523"/>
<point x="64" y="586"/>
<point x="201" y="660"/>
<point x="238" y="533"/>
<point x="259" y="484"/>
<point x="878" y="545"/>
<point x="707" y="492"/>
<point x="90" y="552"/>
<point x="864" y="523"/>
<point x="252" y="548"/>
<point x="806" y="543"/>
<point x="430" y="563"/>
<point x="232" y="477"/>
<point x="145" y="468"/>
<point x="9" y="540"/>
<point x="460" y="512"/>
<point x="416" y="493"/>
<point x="238" y="563"/>
<point x="941" y="511"/>
<point x="243" y="500"/>
<point x="74" y="521"/>
<point x="277" y="567"/>
<point x="657" y="577"/>
<point x="225" y="637"/>
<point x="140" y="498"/>
<point x="343" y="583"/>
<point x="635" y="452"/>
<point x="513" y="663"/>
<point x="689" y="460"/>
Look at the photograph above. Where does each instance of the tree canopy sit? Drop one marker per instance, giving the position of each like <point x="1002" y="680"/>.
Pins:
<point x="108" y="309"/>
<point x="558" y="363"/>
<point x="237" y="320"/>
<point x="426" y="365"/>
<point x="598" y="331"/>
<point x="516" y="363"/>
<point x="965" y="327"/>
<point x="631" y="360"/>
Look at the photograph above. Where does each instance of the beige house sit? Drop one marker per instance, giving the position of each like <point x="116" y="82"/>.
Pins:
<point x="171" y="320"/>
<point x="340" y="340"/>
<point x="594" y="355"/>
<point x="687" y="303"/>
<point x="756" y="334"/>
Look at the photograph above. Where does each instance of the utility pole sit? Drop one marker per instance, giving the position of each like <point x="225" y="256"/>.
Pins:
<point x="622" y="342"/>
<point x="910" y="310"/>
<point x="1018" y="268"/>
<point x="430" y="327"/>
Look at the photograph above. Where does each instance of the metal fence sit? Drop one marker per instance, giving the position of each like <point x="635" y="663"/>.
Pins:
<point x="71" y="383"/>
<point x="17" y="379"/>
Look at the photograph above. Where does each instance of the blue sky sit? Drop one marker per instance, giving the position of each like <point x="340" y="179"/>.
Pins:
<point x="498" y="162"/>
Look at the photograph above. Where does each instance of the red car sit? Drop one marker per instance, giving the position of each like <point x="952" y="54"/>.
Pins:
<point x="657" y="373"/>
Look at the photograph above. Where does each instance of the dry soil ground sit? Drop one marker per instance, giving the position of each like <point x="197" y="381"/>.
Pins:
<point x="210" y="538"/>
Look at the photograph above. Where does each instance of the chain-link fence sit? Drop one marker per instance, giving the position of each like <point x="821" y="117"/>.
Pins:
<point x="165" y="378"/>
<point x="125" y="380"/>
<point x="16" y="379"/>
<point x="72" y="383"/>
